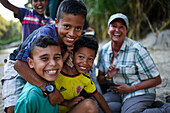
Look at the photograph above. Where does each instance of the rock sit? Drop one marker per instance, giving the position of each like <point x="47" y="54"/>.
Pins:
<point x="159" y="41"/>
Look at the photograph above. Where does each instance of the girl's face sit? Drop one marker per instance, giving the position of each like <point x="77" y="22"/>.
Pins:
<point x="69" y="28"/>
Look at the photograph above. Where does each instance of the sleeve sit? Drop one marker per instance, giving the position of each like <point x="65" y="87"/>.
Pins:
<point x="90" y="88"/>
<point x="100" y="59"/>
<point x="25" y="48"/>
<point x="21" y="13"/>
<point x="146" y="66"/>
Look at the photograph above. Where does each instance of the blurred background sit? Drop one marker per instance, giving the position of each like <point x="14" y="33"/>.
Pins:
<point x="145" y="16"/>
<point x="149" y="23"/>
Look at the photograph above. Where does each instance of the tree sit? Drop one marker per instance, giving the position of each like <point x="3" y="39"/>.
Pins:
<point x="144" y="15"/>
<point x="9" y="29"/>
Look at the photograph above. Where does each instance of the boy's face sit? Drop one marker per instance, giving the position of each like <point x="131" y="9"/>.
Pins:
<point x="83" y="59"/>
<point x="39" y="5"/>
<point x="69" y="28"/>
<point x="47" y="62"/>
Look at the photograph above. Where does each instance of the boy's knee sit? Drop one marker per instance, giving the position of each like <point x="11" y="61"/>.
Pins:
<point x="91" y="106"/>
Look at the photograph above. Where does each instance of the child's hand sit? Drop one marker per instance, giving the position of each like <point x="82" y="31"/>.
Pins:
<point x="112" y="71"/>
<point x="74" y="101"/>
<point x="56" y="98"/>
<point x="70" y="48"/>
<point x="122" y="88"/>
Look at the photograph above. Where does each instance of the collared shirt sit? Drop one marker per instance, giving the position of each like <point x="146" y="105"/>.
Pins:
<point x="135" y="63"/>
<point x="30" y="21"/>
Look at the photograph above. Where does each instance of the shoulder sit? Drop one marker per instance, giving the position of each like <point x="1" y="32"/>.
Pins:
<point x="30" y="92"/>
<point x="130" y="43"/>
<point x="106" y="47"/>
<point x="86" y="75"/>
<point x="26" y="10"/>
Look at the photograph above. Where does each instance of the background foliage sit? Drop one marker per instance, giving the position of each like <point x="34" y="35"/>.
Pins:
<point x="9" y="31"/>
<point x="144" y="15"/>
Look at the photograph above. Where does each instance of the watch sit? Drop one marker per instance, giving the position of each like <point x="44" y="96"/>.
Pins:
<point x="49" y="89"/>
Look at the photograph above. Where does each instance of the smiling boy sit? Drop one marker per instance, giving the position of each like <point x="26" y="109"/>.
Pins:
<point x="45" y="58"/>
<point x="66" y="30"/>
<point x="71" y="81"/>
<point x="30" y="19"/>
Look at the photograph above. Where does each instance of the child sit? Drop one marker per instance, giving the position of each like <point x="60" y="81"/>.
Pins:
<point x="66" y="30"/>
<point x="45" y="58"/>
<point x="29" y="19"/>
<point x="71" y="81"/>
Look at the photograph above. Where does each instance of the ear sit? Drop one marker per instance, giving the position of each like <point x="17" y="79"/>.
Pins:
<point x="30" y="62"/>
<point x="56" y="22"/>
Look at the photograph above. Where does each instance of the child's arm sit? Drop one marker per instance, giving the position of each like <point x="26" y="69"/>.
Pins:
<point x="67" y="53"/>
<point x="31" y="76"/>
<point x="72" y="102"/>
<point x="9" y="6"/>
<point x="100" y="99"/>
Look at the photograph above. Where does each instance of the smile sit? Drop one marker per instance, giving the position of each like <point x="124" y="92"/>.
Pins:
<point x="51" y="72"/>
<point x="69" y="39"/>
<point x="117" y="35"/>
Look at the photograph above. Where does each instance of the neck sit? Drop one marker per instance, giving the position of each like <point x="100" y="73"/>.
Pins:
<point x="116" y="46"/>
<point x="68" y="70"/>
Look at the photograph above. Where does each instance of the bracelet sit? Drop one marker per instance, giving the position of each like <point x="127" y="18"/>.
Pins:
<point x="108" y="79"/>
<point x="134" y="88"/>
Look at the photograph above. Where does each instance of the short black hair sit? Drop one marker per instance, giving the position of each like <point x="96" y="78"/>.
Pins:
<point x="88" y="41"/>
<point x="42" y="41"/>
<point x="71" y="7"/>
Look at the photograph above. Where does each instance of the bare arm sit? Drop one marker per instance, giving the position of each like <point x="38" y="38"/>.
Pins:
<point x="124" y="88"/>
<point x="9" y="6"/>
<point x="103" y="104"/>
<point x="31" y="76"/>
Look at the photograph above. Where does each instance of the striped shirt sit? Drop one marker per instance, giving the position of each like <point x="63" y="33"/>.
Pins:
<point x="30" y="21"/>
<point x="135" y="63"/>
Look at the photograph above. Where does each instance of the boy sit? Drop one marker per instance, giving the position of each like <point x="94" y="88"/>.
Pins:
<point x="45" y="58"/>
<point x="30" y="20"/>
<point x="66" y="30"/>
<point x="71" y="81"/>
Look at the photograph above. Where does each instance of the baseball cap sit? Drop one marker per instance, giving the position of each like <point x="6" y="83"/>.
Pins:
<point x="116" y="16"/>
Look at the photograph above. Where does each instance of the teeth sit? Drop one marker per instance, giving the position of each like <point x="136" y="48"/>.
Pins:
<point x="116" y="34"/>
<point x="70" y="39"/>
<point x="51" y="72"/>
<point x="39" y="7"/>
<point x="82" y="67"/>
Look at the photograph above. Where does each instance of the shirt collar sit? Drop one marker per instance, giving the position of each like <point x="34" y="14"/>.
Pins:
<point x="121" y="49"/>
<point x="35" y="13"/>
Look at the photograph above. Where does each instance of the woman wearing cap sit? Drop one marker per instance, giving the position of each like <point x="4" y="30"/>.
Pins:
<point x="128" y="64"/>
